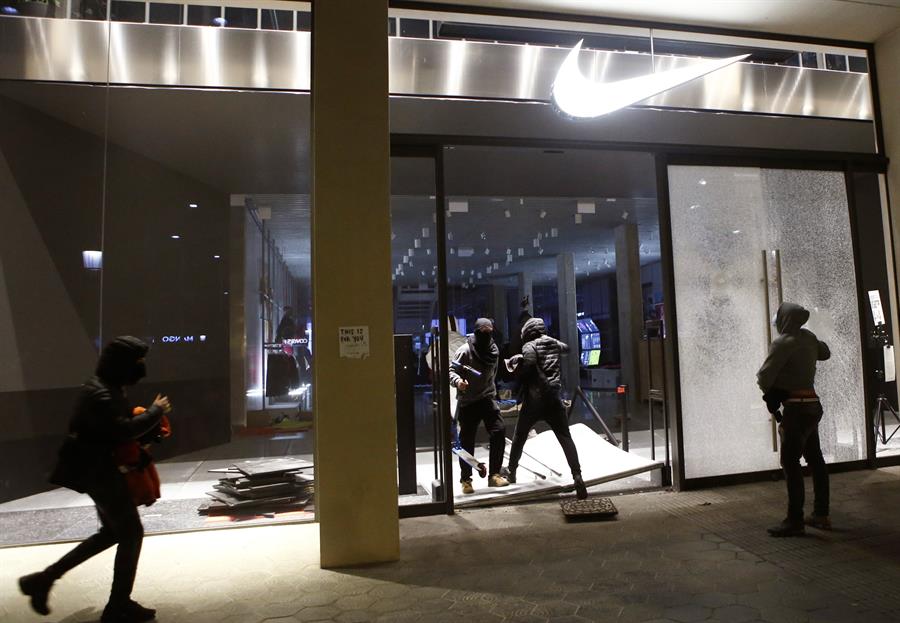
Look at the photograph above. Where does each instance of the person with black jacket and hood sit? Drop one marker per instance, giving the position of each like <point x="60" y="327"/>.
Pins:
<point x="477" y="401"/>
<point x="539" y="372"/>
<point x="102" y="421"/>
<point x="787" y="377"/>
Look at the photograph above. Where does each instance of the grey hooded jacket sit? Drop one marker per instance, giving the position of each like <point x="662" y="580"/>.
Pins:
<point x="791" y="364"/>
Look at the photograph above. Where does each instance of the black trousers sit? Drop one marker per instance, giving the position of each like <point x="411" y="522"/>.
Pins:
<point x="550" y="409"/>
<point x="799" y="433"/>
<point x="469" y="417"/>
<point x="120" y="524"/>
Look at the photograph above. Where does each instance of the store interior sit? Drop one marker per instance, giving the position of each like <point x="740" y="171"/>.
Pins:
<point x="520" y="222"/>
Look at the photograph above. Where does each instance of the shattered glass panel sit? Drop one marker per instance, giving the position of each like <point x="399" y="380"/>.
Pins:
<point x="727" y="223"/>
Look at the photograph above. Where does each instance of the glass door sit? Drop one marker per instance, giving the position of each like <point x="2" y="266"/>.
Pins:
<point x="745" y="239"/>
<point x="420" y="348"/>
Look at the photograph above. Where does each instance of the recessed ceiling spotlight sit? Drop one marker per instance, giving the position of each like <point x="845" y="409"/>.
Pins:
<point x="192" y="205"/>
<point x="175" y="237"/>
<point x="702" y="182"/>
<point x="215" y="257"/>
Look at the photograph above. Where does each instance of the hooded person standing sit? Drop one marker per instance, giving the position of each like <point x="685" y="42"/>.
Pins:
<point x="102" y="421"/>
<point x="538" y="370"/>
<point x="477" y="401"/>
<point x="787" y="377"/>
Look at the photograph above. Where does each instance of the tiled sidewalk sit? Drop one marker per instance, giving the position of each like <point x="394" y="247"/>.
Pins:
<point x="700" y="556"/>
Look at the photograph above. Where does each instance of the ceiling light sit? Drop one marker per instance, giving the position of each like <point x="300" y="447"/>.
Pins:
<point x="586" y="207"/>
<point x="543" y="213"/>
<point x="610" y="200"/>
<point x="92" y="260"/>
<point x="521" y="252"/>
<point x="459" y="206"/>
<point x="702" y="182"/>
<point x="507" y="213"/>
<point x="426" y="232"/>
<point x="417" y="243"/>
<point x="175" y="237"/>
<point x="465" y="251"/>
<point x="215" y="257"/>
<point x="554" y="232"/>
<point x="192" y="205"/>
<point x="578" y="219"/>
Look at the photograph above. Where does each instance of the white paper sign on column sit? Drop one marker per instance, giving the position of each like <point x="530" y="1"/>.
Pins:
<point x="877" y="309"/>
<point x="354" y="342"/>
<point x="890" y="369"/>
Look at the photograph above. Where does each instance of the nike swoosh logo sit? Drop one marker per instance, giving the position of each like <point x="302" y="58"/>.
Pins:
<point x="580" y="97"/>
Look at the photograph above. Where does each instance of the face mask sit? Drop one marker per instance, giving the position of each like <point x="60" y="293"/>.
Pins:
<point x="482" y="339"/>
<point x="137" y="372"/>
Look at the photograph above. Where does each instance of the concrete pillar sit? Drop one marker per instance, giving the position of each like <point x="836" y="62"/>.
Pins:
<point x="525" y="289"/>
<point x="628" y="288"/>
<point x="355" y="427"/>
<point x="499" y="309"/>
<point x="568" y="329"/>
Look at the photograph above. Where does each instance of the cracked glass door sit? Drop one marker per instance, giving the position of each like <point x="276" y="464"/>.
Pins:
<point x="745" y="239"/>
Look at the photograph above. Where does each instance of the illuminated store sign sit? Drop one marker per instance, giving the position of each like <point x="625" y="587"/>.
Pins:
<point x="580" y="97"/>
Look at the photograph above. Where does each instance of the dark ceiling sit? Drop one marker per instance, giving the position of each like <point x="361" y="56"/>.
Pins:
<point x="257" y="143"/>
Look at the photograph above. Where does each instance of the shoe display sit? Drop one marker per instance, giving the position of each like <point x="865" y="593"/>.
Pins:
<point x="467" y="486"/>
<point x="580" y="489"/>
<point x="37" y="587"/>
<point x="822" y="522"/>
<point x="787" y="528"/>
<point x="496" y="480"/>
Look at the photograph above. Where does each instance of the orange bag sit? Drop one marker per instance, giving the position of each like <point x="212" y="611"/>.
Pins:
<point x="142" y="480"/>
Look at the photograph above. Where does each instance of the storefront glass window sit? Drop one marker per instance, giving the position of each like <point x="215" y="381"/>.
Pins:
<point x="746" y="239"/>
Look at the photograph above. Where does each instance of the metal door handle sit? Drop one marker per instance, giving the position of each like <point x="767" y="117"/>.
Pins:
<point x="765" y="258"/>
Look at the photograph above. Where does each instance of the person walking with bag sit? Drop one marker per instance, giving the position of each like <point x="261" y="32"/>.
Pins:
<point x="101" y="423"/>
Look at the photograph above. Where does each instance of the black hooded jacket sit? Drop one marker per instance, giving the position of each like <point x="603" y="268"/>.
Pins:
<point x="791" y="363"/>
<point x="103" y="419"/>
<point x="540" y="357"/>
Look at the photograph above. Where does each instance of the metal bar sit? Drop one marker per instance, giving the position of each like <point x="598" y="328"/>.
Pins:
<point x="650" y="399"/>
<point x="444" y="354"/>
<point x="768" y="298"/>
<point x="536" y="460"/>
<point x="625" y="418"/>
<point x="665" y="407"/>
<point x="580" y="393"/>
<point x="778" y="283"/>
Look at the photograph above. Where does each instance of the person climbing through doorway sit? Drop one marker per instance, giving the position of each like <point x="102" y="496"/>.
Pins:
<point x="538" y="370"/>
<point x="472" y="372"/>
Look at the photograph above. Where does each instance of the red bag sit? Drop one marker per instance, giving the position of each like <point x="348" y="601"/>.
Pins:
<point x="136" y="464"/>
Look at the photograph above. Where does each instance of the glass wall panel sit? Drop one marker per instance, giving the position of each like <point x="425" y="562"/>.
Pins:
<point x="745" y="239"/>
<point x="51" y="275"/>
<point x="207" y="257"/>
<point x="149" y="212"/>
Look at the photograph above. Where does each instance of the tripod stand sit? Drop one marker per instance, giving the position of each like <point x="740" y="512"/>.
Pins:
<point x="882" y="407"/>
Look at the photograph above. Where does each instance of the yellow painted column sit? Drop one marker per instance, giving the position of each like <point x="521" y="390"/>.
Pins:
<point x="356" y="432"/>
